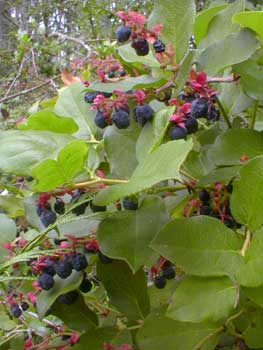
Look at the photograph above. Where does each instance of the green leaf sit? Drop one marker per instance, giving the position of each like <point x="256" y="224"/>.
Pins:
<point x="253" y="334"/>
<point x="22" y="150"/>
<point x="158" y="331"/>
<point x="145" y="142"/>
<point x="53" y="173"/>
<point x="247" y="201"/>
<point x="47" y="120"/>
<point x="223" y="175"/>
<point x="127" y="291"/>
<point x="233" y="49"/>
<point x="143" y="81"/>
<point x="129" y="55"/>
<point x="203" y="299"/>
<point x="95" y="338"/>
<point x="251" y="77"/>
<point x="177" y="17"/>
<point x="203" y="19"/>
<point x="183" y="72"/>
<point x="122" y="159"/>
<point x="153" y="170"/>
<point x="251" y="19"/>
<point x="127" y="235"/>
<point x="221" y="25"/>
<point x="12" y="205"/>
<point x="7" y="234"/>
<point x="250" y="272"/>
<point x="228" y="150"/>
<point x="71" y="103"/>
<point x="46" y="298"/>
<point x="255" y="294"/>
<point x="76" y="316"/>
<point x="202" y="245"/>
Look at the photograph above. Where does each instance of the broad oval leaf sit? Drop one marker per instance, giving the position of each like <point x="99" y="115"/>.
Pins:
<point x="127" y="235"/>
<point x="202" y="245"/>
<point x="129" y="55"/>
<point x="203" y="299"/>
<point x="7" y="234"/>
<point x="162" y="164"/>
<point x="250" y="19"/>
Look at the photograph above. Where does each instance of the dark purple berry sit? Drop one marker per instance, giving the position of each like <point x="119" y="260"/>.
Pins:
<point x="47" y="217"/>
<point x="168" y="272"/>
<point x="191" y="125"/>
<point x="199" y="108"/>
<point x="29" y="178"/>
<point x="59" y="207"/>
<point x="68" y="298"/>
<point x="64" y="268"/>
<point x="204" y="195"/>
<point x="230" y="222"/>
<point x="121" y="119"/>
<point x="122" y="73"/>
<point x="130" y="204"/>
<point x="24" y="306"/>
<point x="79" y="262"/>
<point x="213" y="115"/>
<point x="178" y="133"/>
<point x="205" y="210"/>
<point x="16" y="310"/>
<point x="49" y="268"/>
<point x="85" y="285"/>
<point x="89" y="97"/>
<point x="158" y="46"/>
<point x="80" y="209"/>
<point x="46" y="281"/>
<point x="159" y="282"/>
<point x="141" y="47"/>
<point x="97" y="208"/>
<point x="103" y="258"/>
<point x="142" y="114"/>
<point x="123" y="34"/>
<point x="100" y="120"/>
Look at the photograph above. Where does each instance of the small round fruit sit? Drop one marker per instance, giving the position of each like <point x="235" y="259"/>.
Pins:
<point x="16" y="310"/>
<point x="168" y="272"/>
<point x="205" y="210"/>
<point x="47" y="217"/>
<point x="213" y="115"/>
<point x="100" y="120"/>
<point x="191" y="125"/>
<point x="97" y="208"/>
<point x="24" y="306"/>
<point x="68" y="298"/>
<point x="79" y="262"/>
<point x="121" y="119"/>
<point x="130" y="204"/>
<point x="142" y="114"/>
<point x="141" y="47"/>
<point x="46" y="281"/>
<point x="123" y="34"/>
<point x="199" y="108"/>
<point x="158" y="46"/>
<point x="59" y="207"/>
<point x="159" y="282"/>
<point x="204" y="195"/>
<point x="49" y="268"/>
<point x="85" y="285"/>
<point x="178" y="133"/>
<point x="89" y="97"/>
<point x="64" y="268"/>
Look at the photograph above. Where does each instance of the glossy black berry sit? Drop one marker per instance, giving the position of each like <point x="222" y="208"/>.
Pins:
<point x="205" y="210"/>
<point x="121" y="119"/>
<point x="49" y="268"/>
<point x="213" y="115"/>
<point x="204" y="195"/>
<point x="68" y="298"/>
<point x="80" y="209"/>
<point x="46" y="281"/>
<point x="191" y="125"/>
<point x="103" y="258"/>
<point x="16" y="310"/>
<point x="158" y="46"/>
<point x="100" y="120"/>
<point x="24" y="306"/>
<point x="85" y="285"/>
<point x="199" y="108"/>
<point x="59" y="207"/>
<point x="168" y="272"/>
<point x="97" y="208"/>
<point x="178" y="133"/>
<point x="159" y="282"/>
<point x="130" y="204"/>
<point x="122" y="73"/>
<point x="142" y="114"/>
<point x="141" y="47"/>
<point x="123" y="34"/>
<point x="111" y="75"/>
<point x="79" y="261"/>
<point x="64" y="268"/>
<point x="47" y="217"/>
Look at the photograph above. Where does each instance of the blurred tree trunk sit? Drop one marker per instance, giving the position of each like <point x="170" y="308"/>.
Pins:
<point x="5" y="24"/>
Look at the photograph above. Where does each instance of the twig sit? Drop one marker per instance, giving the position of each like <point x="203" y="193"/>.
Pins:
<point x="230" y="79"/>
<point x="76" y="40"/>
<point x="246" y="243"/>
<point x="223" y="112"/>
<point x="16" y="77"/>
<point x="34" y="62"/>
<point x="24" y="92"/>
<point x="254" y="115"/>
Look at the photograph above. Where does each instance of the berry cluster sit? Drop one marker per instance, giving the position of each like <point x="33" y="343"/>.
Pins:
<point x="162" y="272"/>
